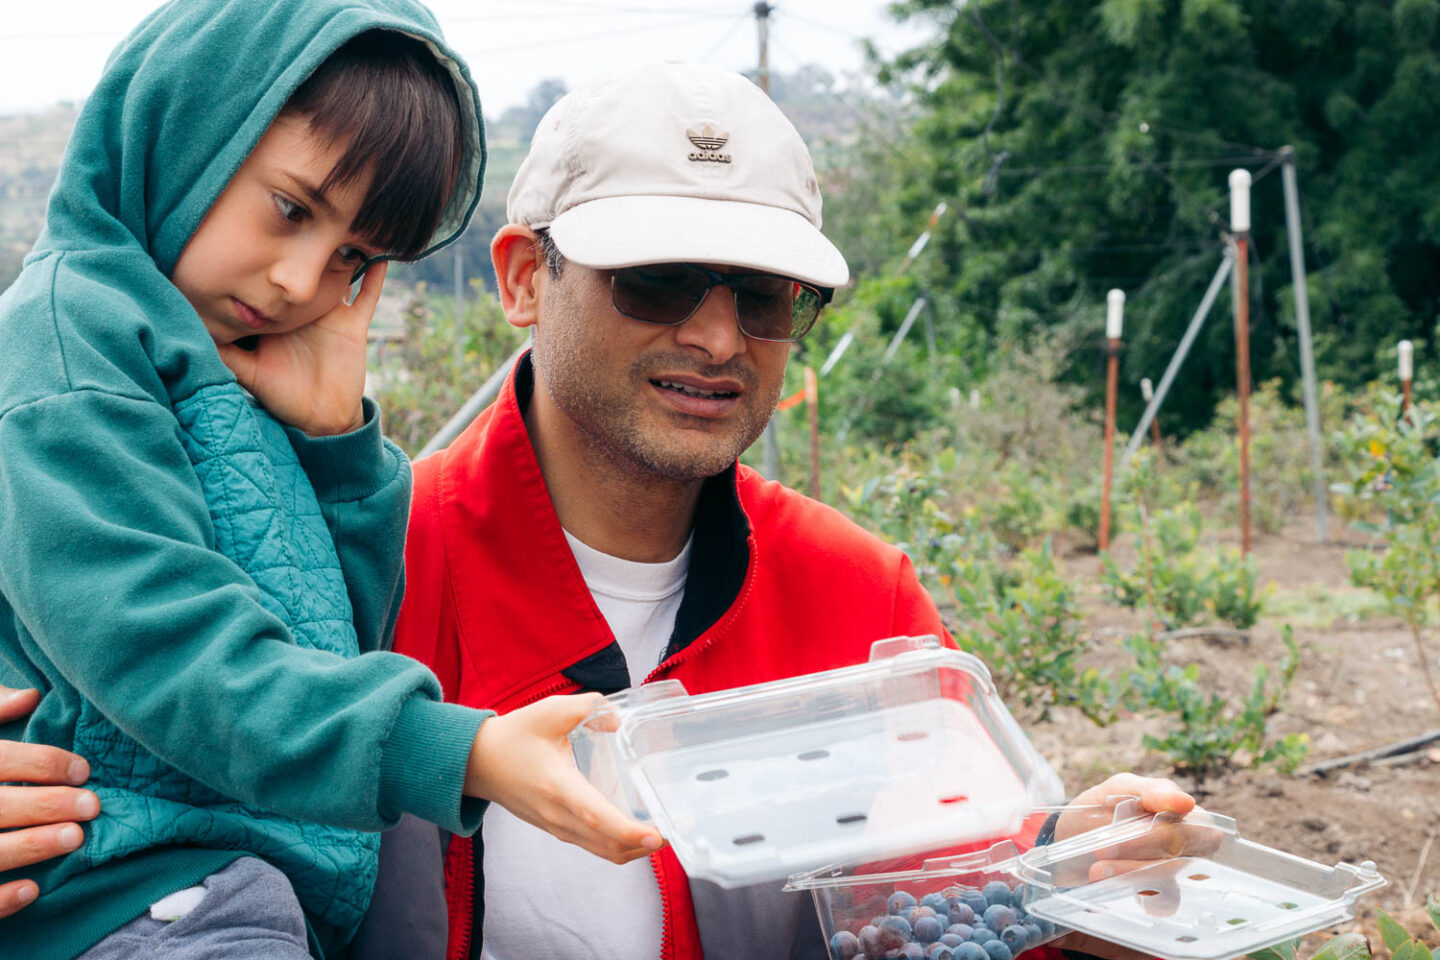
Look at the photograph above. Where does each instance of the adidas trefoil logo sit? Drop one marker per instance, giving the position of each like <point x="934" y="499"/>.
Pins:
<point x="709" y="143"/>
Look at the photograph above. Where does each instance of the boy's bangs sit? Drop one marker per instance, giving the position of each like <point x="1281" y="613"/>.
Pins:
<point x="387" y="98"/>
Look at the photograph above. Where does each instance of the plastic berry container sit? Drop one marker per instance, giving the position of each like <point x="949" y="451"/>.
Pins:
<point x="961" y="906"/>
<point x="1200" y="892"/>
<point x="912" y="751"/>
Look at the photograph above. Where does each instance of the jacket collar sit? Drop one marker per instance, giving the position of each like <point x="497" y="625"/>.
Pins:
<point x="523" y="611"/>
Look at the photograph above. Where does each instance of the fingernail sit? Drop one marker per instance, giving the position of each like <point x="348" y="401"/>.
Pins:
<point x="651" y="842"/>
<point x="70" y="837"/>
<point x="1107" y="872"/>
<point x="87" y="805"/>
<point x="79" y="771"/>
<point x="26" y="894"/>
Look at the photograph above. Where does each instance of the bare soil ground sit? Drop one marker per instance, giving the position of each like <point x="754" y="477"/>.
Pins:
<point x="1358" y="687"/>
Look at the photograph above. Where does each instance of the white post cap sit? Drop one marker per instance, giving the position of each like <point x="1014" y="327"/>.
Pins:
<point x="1147" y="390"/>
<point x="975" y="399"/>
<point x="1406" y="350"/>
<point x="1240" y="201"/>
<point x="1114" y="314"/>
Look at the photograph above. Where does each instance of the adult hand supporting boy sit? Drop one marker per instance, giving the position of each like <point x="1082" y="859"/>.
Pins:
<point x="522" y="760"/>
<point x="37" y="822"/>
<point x="313" y="377"/>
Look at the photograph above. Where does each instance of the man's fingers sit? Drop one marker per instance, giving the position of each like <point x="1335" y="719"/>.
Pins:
<point x="15" y="704"/>
<point x="16" y="896"/>
<point x="39" y="763"/>
<point x="28" y="806"/>
<point x="21" y="848"/>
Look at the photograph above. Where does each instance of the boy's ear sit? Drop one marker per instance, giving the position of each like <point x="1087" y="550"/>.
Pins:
<point x="519" y="265"/>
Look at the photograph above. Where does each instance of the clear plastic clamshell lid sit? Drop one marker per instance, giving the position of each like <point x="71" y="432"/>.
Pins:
<point x="1190" y="888"/>
<point x="911" y="751"/>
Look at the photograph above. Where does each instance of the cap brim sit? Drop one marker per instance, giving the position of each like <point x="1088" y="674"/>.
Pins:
<point x="628" y="231"/>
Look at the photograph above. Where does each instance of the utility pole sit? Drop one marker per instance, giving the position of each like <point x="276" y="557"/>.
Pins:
<point x="1240" y="224"/>
<point x="762" y="25"/>
<point x="1307" y="349"/>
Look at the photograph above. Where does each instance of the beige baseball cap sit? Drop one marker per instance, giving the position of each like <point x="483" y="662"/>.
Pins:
<point x="675" y="163"/>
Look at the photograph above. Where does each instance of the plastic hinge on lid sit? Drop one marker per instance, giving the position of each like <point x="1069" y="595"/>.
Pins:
<point x="1205" y="893"/>
<point x="910" y="751"/>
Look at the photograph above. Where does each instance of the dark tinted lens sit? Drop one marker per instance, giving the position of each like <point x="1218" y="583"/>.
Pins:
<point x="775" y="308"/>
<point x="662" y="293"/>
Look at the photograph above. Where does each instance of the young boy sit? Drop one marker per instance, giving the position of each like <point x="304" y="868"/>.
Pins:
<point x="200" y="524"/>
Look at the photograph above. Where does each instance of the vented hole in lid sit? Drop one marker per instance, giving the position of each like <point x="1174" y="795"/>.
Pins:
<point x="814" y="755"/>
<point x="748" y="839"/>
<point x="954" y="798"/>
<point x="1289" y="906"/>
<point x="1187" y="939"/>
<point x="1236" y="921"/>
<point x="913" y="735"/>
<point x="1199" y="876"/>
<point x="848" y="818"/>
<point x="1147" y="893"/>
<point x="708" y="775"/>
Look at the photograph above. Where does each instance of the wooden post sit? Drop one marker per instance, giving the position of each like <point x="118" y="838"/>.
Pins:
<point x="1240" y="224"/>
<point x="1114" y="321"/>
<point x="1406" y="351"/>
<point x="1147" y="391"/>
<point x="812" y="402"/>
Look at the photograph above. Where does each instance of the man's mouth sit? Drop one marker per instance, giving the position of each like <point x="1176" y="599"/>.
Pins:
<point x="691" y="391"/>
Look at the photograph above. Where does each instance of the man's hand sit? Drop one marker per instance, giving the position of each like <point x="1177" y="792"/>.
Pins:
<point x="313" y="377"/>
<point x="1170" y="837"/>
<point x="37" y="822"/>
<point x="522" y="761"/>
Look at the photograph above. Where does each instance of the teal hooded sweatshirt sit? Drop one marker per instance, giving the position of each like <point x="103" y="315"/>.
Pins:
<point x="202" y="594"/>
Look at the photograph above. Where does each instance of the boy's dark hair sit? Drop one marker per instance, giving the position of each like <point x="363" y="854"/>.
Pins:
<point x="386" y="96"/>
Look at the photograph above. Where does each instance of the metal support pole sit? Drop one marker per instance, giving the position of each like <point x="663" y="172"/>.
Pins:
<point x="1114" y="318"/>
<point x="812" y="403"/>
<point x="478" y="401"/>
<point x="1307" y="348"/>
<point x="1405" y="351"/>
<point x="1147" y="393"/>
<point x="1188" y="340"/>
<point x="1240" y="223"/>
<point x="762" y="23"/>
<point x="459" y="306"/>
<point x="905" y="326"/>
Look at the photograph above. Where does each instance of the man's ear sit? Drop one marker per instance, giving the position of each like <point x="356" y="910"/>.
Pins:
<point x="518" y="268"/>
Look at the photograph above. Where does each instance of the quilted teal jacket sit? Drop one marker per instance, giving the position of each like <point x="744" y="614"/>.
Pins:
<point x="202" y="594"/>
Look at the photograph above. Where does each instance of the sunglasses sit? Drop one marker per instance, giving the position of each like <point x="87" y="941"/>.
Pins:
<point x="767" y="307"/>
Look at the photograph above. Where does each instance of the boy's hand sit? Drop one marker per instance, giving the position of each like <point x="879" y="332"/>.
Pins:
<point x="313" y="377"/>
<point x="522" y="761"/>
<point x="37" y="822"/>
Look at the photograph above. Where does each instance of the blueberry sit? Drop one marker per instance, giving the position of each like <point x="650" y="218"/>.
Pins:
<point x="998" y="917"/>
<point x="953" y="939"/>
<point x="960" y="912"/>
<point x="872" y="941"/>
<point x="998" y="950"/>
<point x="997" y="891"/>
<point x="940" y="951"/>
<point x="912" y="951"/>
<point x="894" y="931"/>
<point x="975" y="900"/>
<point x="900" y="902"/>
<point x="935" y="901"/>
<point x="1035" y="932"/>
<point x="844" y="945"/>
<point x="961" y="930"/>
<point x="983" y="933"/>
<point x="971" y="951"/>
<point x="928" y="929"/>
<point x="1016" y="937"/>
<point x="918" y="912"/>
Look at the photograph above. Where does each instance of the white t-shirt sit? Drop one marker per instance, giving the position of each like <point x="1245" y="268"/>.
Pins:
<point x="592" y="907"/>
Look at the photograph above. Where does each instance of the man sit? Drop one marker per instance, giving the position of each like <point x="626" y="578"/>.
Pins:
<point x="592" y="531"/>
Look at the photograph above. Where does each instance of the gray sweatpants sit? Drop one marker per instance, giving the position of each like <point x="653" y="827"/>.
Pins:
<point x="249" y="912"/>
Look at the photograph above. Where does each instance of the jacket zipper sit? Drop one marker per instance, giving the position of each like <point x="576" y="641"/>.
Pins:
<point x="545" y="691"/>
<point x="665" y="946"/>
<point x="709" y="636"/>
<point x="467" y="897"/>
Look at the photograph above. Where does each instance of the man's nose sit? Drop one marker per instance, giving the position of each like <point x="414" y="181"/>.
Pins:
<point x="713" y="327"/>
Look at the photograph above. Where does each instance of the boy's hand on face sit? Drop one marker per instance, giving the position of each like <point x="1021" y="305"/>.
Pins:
<point x="522" y="760"/>
<point x="37" y="822"/>
<point x="313" y="377"/>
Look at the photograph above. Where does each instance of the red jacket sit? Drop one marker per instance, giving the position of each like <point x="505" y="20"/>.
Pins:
<point x="779" y="585"/>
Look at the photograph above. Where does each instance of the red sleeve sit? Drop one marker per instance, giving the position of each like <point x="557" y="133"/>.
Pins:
<point x="915" y="613"/>
<point x="425" y="630"/>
